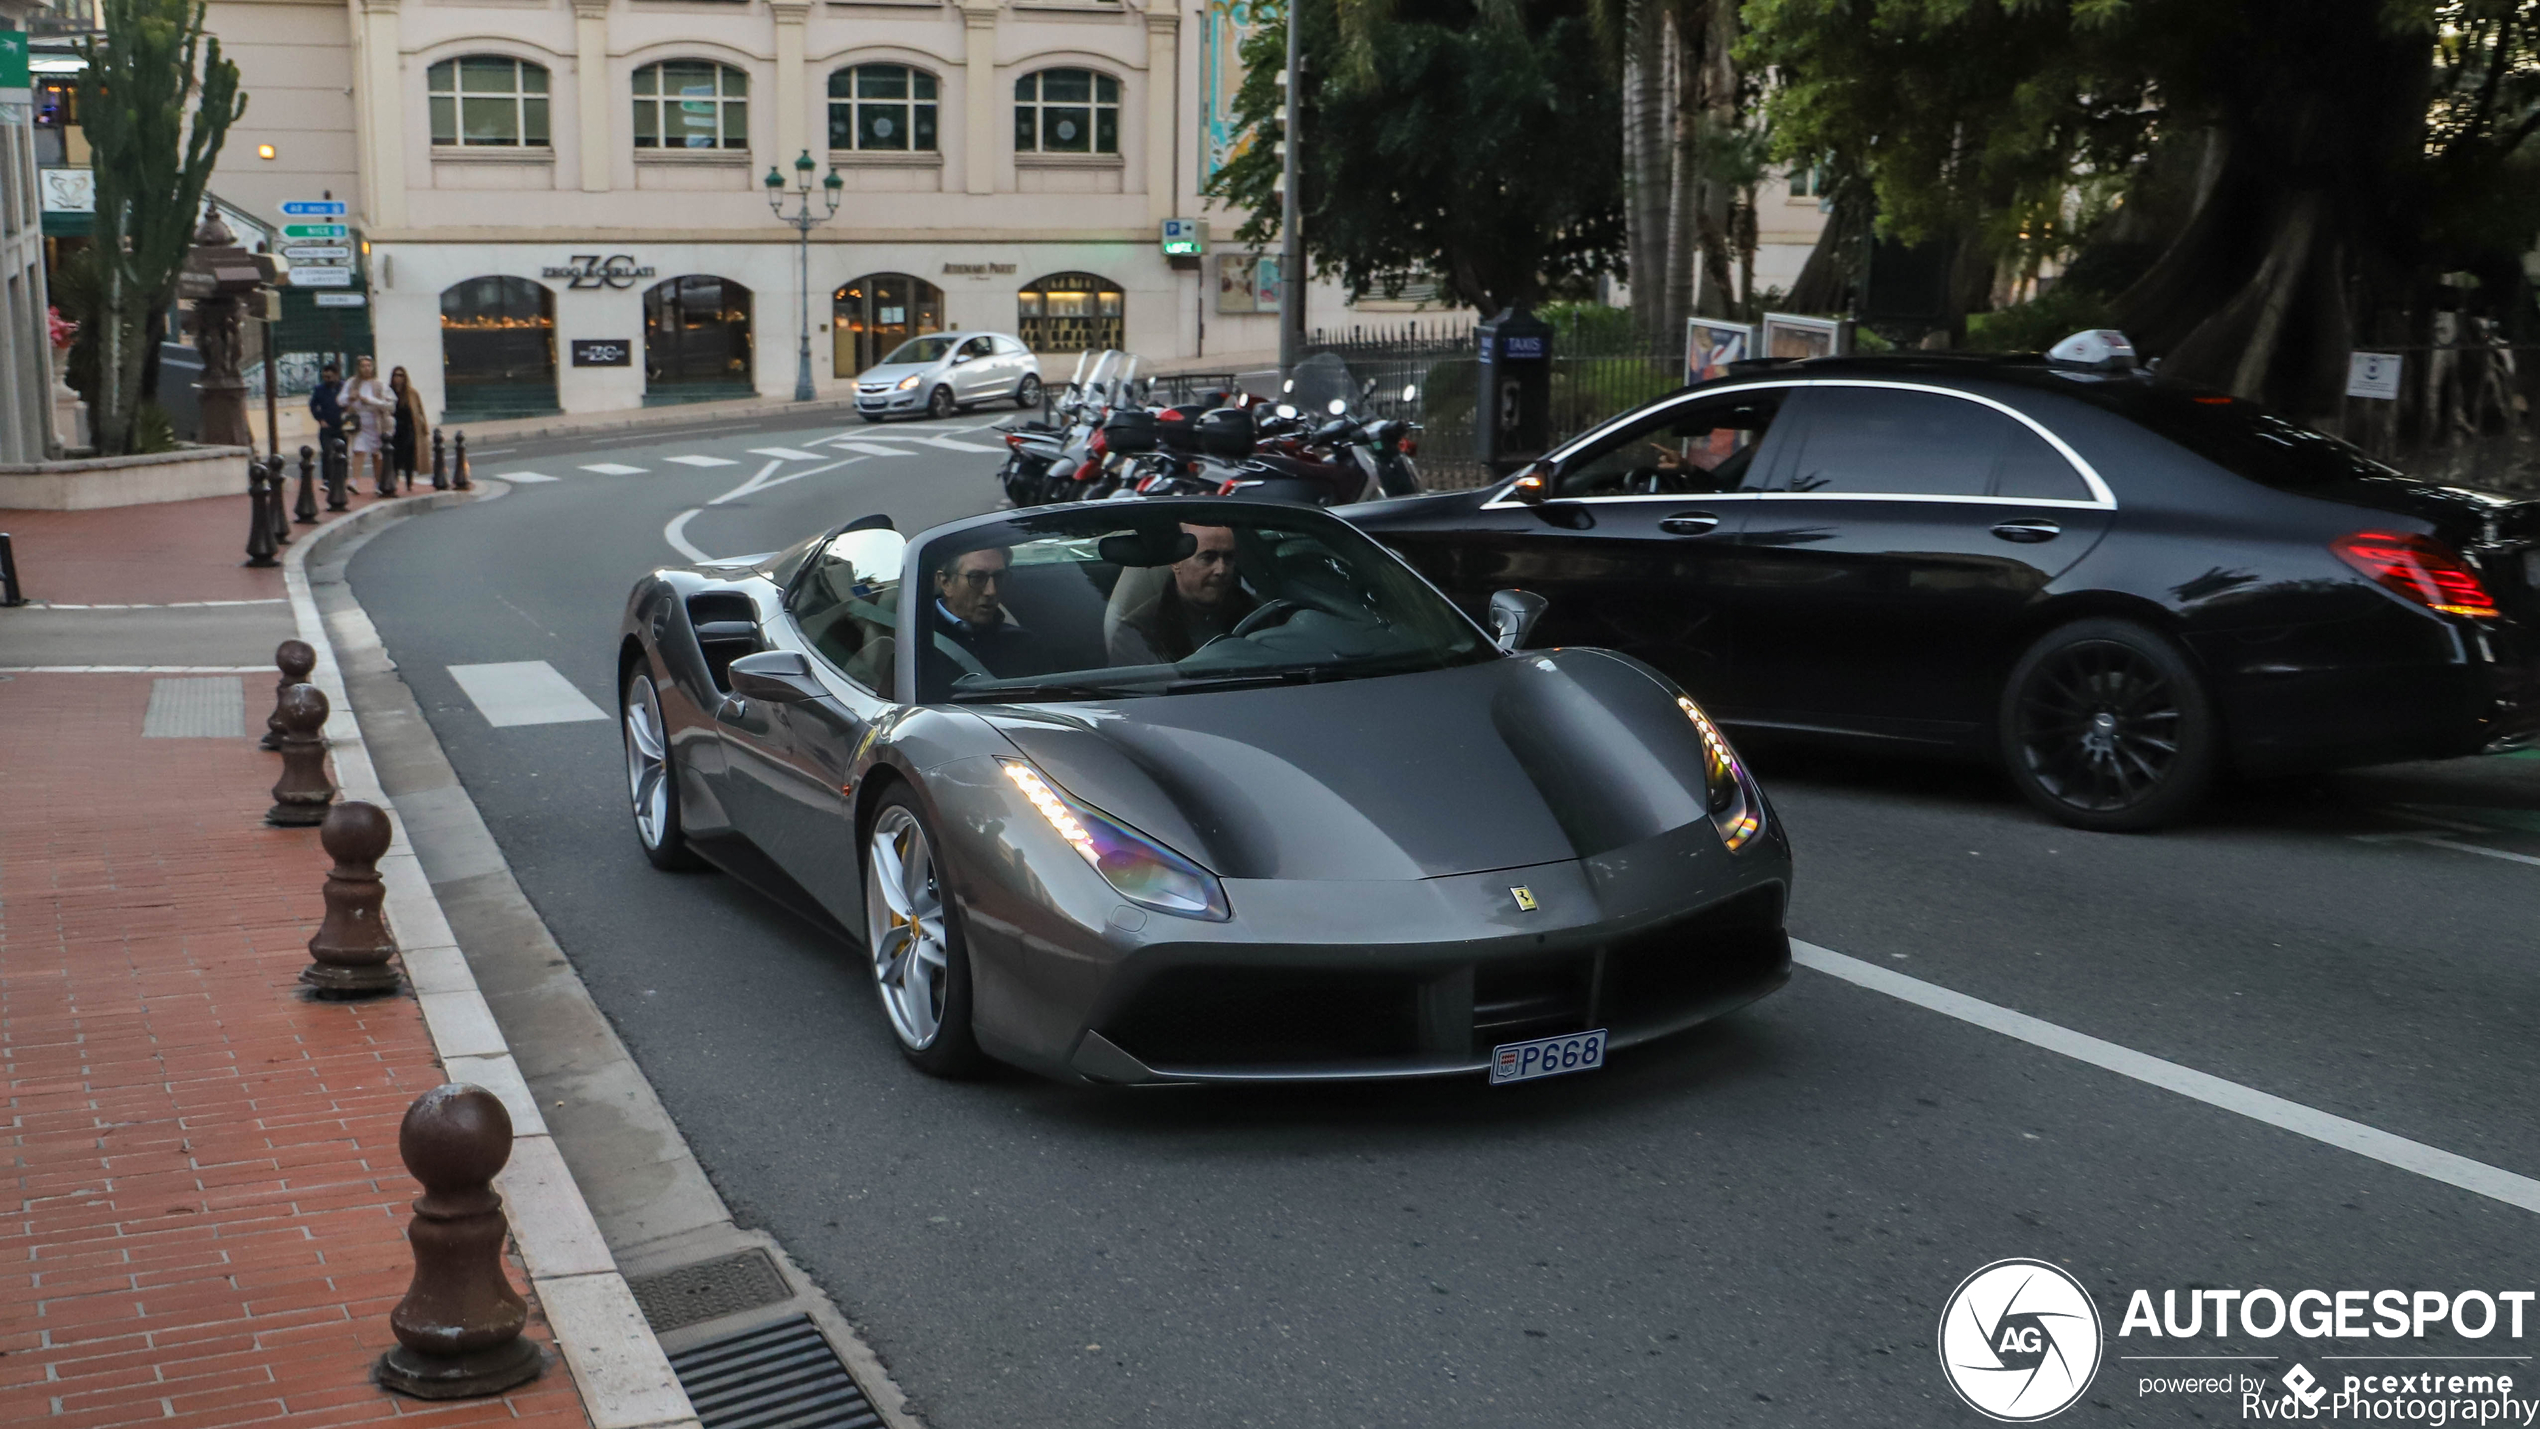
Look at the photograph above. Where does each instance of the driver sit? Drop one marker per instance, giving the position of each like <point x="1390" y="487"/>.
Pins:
<point x="1201" y="602"/>
<point x="971" y="617"/>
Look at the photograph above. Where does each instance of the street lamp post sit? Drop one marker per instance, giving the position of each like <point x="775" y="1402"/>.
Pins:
<point x="804" y="221"/>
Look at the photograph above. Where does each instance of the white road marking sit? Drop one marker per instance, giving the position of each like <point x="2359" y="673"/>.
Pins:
<point x="610" y="468"/>
<point x="785" y="453"/>
<point x="868" y="448"/>
<point x="745" y="488"/>
<point x="2439" y="841"/>
<point x="214" y="708"/>
<point x="525" y="476"/>
<point x="950" y="445"/>
<point x="702" y="460"/>
<point x="676" y="534"/>
<point x="524" y="692"/>
<point x="2430" y="1162"/>
<point x="136" y="669"/>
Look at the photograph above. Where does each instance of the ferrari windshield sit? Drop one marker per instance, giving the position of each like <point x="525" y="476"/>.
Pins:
<point x="920" y="349"/>
<point x="1173" y="597"/>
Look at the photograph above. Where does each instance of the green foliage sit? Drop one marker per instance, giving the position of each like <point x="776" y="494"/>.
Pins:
<point x="155" y="103"/>
<point x="151" y="429"/>
<point x="73" y="289"/>
<point x="2040" y="323"/>
<point x="1455" y="139"/>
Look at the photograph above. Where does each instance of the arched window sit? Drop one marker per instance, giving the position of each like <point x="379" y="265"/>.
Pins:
<point x="1067" y="111"/>
<point x="489" y="101"/>
<point x="696" y="340"/>
<point x="691" y="104"/>
<point x="876" y="313"/>
<point x="882" y="107"/>
<point x="1070" y="312"/>
<point x="498" y="348"/>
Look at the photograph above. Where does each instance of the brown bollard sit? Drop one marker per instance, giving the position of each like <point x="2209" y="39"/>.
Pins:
<point x="301" y="795"/>
<point x="458" y="1329"/>
<point x="351" y="950"/>
<point x="295" y="660"/>
<point x="458" y="475"/>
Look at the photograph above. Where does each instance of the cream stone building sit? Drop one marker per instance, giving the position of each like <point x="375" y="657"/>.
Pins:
<point x="559" y="204"/>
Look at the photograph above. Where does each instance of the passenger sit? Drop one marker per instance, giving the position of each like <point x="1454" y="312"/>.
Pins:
<point x="1201" y="602"/>
<point x="971" y="617"/>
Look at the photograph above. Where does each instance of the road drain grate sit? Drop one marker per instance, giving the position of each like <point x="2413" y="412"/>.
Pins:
<point x="726" y="1285"/>
<point x="780" y="1376"/>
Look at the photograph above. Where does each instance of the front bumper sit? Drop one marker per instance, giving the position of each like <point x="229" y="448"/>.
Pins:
<point x="1313" y="980"/>
<point x="889" y="400"/>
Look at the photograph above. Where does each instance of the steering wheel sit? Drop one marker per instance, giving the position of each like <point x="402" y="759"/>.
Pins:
<point x="1268" y="611"/>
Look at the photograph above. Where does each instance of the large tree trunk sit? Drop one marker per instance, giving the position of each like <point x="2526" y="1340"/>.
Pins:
<point x="1645" y="111"/>
<point x="1824" y="284"/>
<point x="1714" y="75"/>
<point x="1684" y="174"/>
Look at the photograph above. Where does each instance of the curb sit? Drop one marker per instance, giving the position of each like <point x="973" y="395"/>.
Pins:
<point x="618" y="1365"/>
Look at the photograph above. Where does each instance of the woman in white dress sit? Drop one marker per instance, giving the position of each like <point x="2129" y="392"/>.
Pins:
<point x="371" y="405"/>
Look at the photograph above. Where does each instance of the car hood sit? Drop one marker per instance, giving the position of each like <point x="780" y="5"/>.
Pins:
<point x="894" y="371"/>
<point x="1537" y="759"/>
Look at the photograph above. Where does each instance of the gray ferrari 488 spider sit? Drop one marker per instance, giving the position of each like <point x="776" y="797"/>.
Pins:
<point x="1196" y="791"/>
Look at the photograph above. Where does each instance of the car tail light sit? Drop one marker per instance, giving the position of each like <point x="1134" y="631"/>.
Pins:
<point x="2420" y="568"/>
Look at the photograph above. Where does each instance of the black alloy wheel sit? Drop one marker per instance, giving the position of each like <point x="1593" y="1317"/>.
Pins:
<point x="940" y="404"/>
<point x="2104" y="725"/>
<point x="1027" y="395"/>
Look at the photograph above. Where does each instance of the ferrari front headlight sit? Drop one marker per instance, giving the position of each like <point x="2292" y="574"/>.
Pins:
<point x="1736" y="806"/>
<point x="1137" y="867"/>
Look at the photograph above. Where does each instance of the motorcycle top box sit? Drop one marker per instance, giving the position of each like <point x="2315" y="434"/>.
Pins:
<point x="1131" y="429"/>
<point x="1226" y="432"/>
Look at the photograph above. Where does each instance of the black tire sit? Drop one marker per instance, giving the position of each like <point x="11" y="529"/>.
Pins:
<point x="940" y="403"/>
<point x="1027" y="393"/>
<point x="2104" y="724"/>
<point x="932" y="1024"/>
<point x="652" y="777"/>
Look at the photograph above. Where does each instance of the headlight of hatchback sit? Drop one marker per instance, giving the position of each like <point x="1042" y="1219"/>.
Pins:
<point x="1736" y="805"/>
<point x="1137" y="867"/>
<point x="911" y="380"/>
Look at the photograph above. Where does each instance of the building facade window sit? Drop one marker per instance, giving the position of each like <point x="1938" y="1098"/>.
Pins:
<point x="1070" y="312"/>
<point x="885" y="107"/>
<point x="1067" y="111"/>
<point x="691" y="104"/>
<point x="878" y="312"/>
<point x="696" y="340"/>
<point x="1809" y="181"/>
<point x="488" y="101"/>
<point x="498" y="348"/>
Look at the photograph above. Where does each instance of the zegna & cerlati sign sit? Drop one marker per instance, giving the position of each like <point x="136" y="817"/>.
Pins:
<point x="590" y="270"/>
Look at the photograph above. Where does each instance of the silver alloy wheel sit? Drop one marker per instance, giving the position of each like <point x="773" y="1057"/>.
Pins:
<point x="647" y="762"/>
<point x="904" y="926"/>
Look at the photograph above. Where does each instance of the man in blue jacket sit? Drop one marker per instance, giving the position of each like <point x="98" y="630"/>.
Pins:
<point x="326" y="400"/>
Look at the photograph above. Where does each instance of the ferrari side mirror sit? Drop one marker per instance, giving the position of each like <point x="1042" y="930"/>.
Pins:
<point x="1513" y="614"/>
<point x="776" y="676"/>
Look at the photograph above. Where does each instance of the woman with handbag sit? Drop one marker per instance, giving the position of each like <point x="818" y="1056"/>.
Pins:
<point x="369" y="403"/>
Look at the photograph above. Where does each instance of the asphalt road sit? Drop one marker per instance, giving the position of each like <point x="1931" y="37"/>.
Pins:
<point x="1757" y="1223"/>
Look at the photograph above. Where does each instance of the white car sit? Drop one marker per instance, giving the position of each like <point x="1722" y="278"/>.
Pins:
<point x="943" y="372"/>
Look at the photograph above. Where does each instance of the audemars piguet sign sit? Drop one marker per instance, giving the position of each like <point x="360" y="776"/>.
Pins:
<point x="590" y="270"/>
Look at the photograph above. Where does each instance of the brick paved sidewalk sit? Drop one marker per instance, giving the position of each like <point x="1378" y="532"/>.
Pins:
<point x="148" y="555"/>
<point x="202" y="1214"/>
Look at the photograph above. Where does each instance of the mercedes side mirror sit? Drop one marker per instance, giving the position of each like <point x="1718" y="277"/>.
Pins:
<point x="1513" y="614"/>
<point x="1532" y="485"/>
<point x="776" y="676"/>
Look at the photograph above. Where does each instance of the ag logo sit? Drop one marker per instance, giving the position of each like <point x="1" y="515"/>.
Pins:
<point x="2019" y="1340"/>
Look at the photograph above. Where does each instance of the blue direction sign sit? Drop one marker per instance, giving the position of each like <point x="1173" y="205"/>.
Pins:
<point x="313" y="208"/>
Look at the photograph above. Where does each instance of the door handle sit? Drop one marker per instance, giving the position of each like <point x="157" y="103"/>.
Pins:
<point x="1688" y="523"/>
<point x="2028" y="531"/>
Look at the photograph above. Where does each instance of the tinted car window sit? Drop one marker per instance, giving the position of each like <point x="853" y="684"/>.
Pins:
<point x="2242" y="437"/>
<point x="1706" y="445"/>
<point x="2034" y="471"/>
<point x="1878" y="441"/>
<point x="847" y="604"/>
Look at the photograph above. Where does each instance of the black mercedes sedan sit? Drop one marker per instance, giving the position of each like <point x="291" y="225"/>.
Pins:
<point x="2119" y="589"/>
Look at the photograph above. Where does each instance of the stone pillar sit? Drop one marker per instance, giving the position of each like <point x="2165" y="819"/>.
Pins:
<point x="793" y="106"/>
<point x="980" y="114"/>
<point x="591" y="91"/>
<point x="381" y="111"/>
<point x="1164" y="109"/>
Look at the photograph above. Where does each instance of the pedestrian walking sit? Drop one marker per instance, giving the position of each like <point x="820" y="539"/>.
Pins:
<point x="409" y="432"/>
<point x="370" y="404"/>
<point x="326" y="402"/>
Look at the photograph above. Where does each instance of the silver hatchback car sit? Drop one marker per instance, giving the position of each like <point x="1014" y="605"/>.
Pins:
<point x="943" y="372"/>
